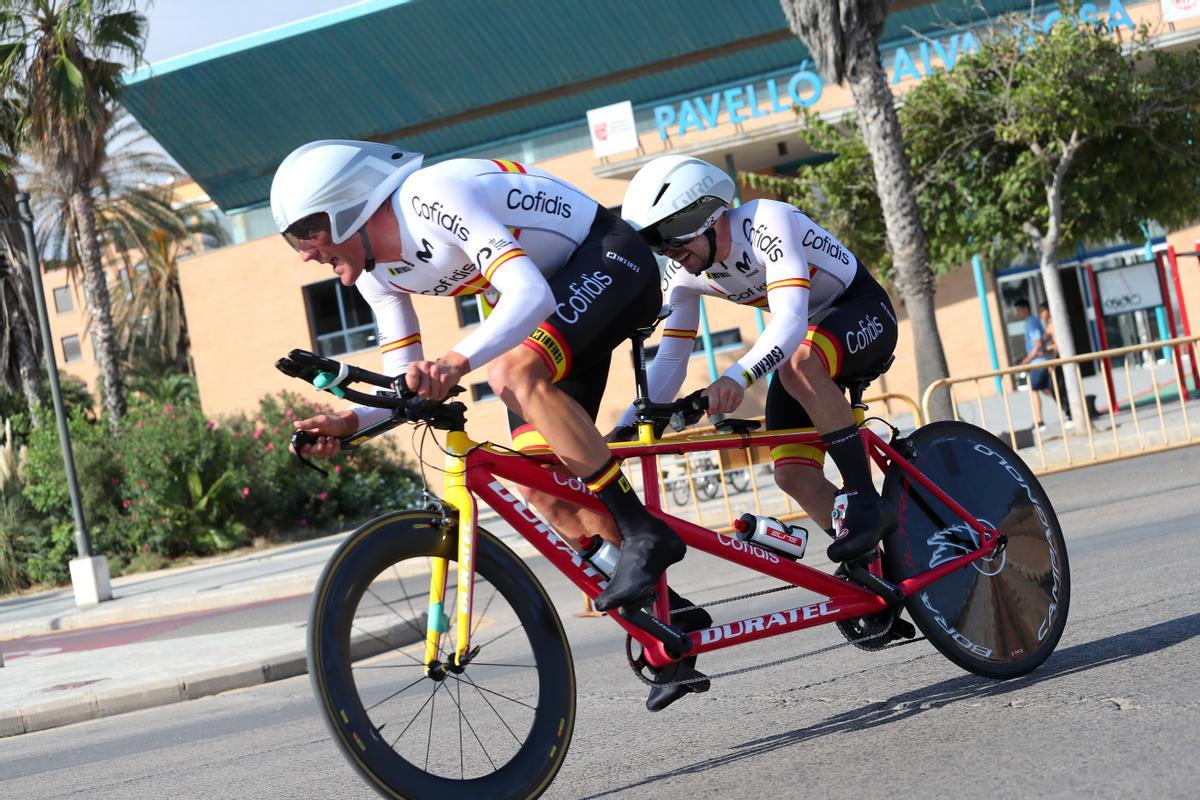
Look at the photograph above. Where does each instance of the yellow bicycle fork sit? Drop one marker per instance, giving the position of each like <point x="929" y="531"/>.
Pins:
<point x="457" y="496"/>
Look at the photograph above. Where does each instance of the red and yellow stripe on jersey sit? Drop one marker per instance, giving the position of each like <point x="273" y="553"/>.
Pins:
<point x="526" y="437"/>
<point x="477" y="285"/>
<point x="501" y="260"/>
<point x="405" y="342"/>
<point x="508" y="166"/>
<point x="551" y="347"/>
<point x="802" y="283"/>
<point x="826" y="347"/>
<point x="678" y="333"/>
<point x="800" y="455"/>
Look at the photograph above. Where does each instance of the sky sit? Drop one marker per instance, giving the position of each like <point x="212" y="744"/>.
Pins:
<point x="181" y="26"/>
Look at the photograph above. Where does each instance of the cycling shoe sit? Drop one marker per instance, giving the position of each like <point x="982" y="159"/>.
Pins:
<point x="645" y="555"/>
<point x="860" y="522"/>
<point x="688" y="621"/>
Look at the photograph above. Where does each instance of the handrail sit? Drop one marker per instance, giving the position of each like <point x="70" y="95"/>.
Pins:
<point x="1168" y="435"/>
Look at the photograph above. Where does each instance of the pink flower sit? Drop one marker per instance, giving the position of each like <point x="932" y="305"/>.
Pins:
<point x="168" y="409"/>
<point x="139" y="423"/>
<point x="323" y="496"/>
<point x="270" y="446"/>
<point x="275" y="429"/>
<point x="125" y="503"/>
<point x="211" y="425"/>
<point x="338" y="468"/>
<point x="245" y="491"/>
<point x="146" y="547"/>
<point x="115" y="481"/>
<point x="258" y="434"/>
<point x="167" y="459"/>
<point x="288" y="413"/>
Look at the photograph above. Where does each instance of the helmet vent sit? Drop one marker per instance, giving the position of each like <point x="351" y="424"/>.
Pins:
<point x="661" y="192"/>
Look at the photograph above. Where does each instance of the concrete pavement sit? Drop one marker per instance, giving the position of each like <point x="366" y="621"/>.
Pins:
<point x="166" y="636"/>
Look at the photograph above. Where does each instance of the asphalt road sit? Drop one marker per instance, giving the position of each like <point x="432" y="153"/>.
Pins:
<point x="1111" y="714"/>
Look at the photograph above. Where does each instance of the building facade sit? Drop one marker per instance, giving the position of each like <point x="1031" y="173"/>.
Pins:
<point x="729" y="101"/>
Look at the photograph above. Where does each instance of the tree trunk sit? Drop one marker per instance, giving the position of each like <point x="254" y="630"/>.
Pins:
<point x="95" y="287"/>
<point x="1052" y="282"/>
<point x="906" y="237"/>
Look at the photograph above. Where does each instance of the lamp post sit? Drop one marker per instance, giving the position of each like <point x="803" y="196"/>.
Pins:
<point x="89" y="573"/>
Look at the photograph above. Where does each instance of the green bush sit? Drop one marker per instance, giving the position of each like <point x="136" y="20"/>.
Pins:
<point x="280" y="494"/>
<point x="175" y="483"/>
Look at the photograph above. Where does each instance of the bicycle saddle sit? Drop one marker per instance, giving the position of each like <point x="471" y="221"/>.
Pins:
<point x="739" y="426"/>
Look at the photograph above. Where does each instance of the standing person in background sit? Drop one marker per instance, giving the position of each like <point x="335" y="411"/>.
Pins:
<point x="1050" y="346"/>
<point x="1035" y="353"/>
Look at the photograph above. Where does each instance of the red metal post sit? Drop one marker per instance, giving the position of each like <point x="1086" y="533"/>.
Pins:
<point x="1185" y="329"/>
<point x="1160" y="261"/>
<point x="1101" y="336"/>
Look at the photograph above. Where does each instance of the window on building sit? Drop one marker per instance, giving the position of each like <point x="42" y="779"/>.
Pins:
<point x="71" y="349"/>
<point x="256" y="223"/>
<point x="64" y="301"/>
<point x="481" y="391"/>
<point x="728" y="339"/>
<point x="340" y="320"/>
<point x="469" y="312"/>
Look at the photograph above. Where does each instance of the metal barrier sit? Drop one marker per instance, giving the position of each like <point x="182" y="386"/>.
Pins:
<point x="1115" y="432"/>
<point x="761" y="497"/>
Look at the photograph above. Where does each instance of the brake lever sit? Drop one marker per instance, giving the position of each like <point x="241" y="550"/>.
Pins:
<point x="301" y="438"/>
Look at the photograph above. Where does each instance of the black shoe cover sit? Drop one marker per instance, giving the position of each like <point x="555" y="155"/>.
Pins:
<point x="645" y="555"/>
<point x="662" y="696"/>
<point x="866" y="522"/>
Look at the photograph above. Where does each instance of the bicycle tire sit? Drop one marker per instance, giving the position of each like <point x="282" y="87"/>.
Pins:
<point x="680" y="493"/>
<point x="385" y="543"/>
<point x="739" y="479"/>
<point x="707" y="487"/>
<point x="1000" y="617"/>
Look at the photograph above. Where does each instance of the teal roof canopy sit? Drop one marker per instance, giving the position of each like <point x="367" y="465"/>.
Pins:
<point x="444" y="76"/>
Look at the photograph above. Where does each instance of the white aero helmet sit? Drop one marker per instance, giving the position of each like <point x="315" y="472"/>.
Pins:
<point x="674" y="199"/>
<point x="346" y="179"/>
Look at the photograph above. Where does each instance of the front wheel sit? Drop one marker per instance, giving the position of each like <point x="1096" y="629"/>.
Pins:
<point x="498" y="727"/>
<point x="1001" y="616"/>
<point x="739" y="479"/>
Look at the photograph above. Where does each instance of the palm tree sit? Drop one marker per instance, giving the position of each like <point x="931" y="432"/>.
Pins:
<point x="842" y="37"/>
<point x="66" y="54"/>
<point x="141" y="228"/>
<point x="20" y="339"/>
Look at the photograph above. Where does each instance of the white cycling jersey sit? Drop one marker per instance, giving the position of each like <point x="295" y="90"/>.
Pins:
<point x="780" y="260"/>
<point x="470" y="226"/>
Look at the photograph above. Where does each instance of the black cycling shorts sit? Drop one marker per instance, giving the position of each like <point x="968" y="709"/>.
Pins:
<point x="853" y="337"/>
<point x="608" y="289"/>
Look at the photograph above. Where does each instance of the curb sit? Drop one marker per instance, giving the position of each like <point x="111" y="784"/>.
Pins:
<point x="191" y="686"/>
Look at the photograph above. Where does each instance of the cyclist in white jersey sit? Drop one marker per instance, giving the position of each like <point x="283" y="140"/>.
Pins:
<point x="573" y="282"/>
<point x="830" y="320"/>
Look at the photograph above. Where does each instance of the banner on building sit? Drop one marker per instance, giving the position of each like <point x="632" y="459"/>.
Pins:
<point x="1173" y="10"/>
<point x="612" y="129"/>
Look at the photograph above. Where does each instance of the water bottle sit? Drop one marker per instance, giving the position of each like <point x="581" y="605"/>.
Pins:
<point x="768" y="532"/>
<point x="601" y="554"/>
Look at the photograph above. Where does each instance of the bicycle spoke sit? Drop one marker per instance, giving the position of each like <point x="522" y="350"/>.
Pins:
<point x="501" y="636"/>
<point x="419" y="710"/>
<point x="462" y="772"/>
<point x="493" y="708"/>
<point x="497" y="664"/>
<point x="463" y="718"/>
<point x="483" y="613"/>
<point x="394" y="694"/>
<point x="493" y="691"/>
<point x="429" y="736"/>
<point x="410" y="620"/>
<point x="389" y="647"/>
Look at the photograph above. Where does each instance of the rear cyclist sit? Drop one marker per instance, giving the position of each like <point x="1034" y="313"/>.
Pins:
<point x="573" y="281"/>
<point x="830" y="320"/>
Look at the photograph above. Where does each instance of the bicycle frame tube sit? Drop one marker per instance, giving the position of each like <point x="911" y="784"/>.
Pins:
<point x="457" y="496"/>
<point x="477" y="474"/>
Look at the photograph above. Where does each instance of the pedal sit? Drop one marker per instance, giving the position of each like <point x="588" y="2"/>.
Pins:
<point x="903" y="629"/>
<point x="676" y="642"/>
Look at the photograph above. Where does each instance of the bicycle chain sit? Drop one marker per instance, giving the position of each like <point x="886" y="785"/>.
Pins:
<point x="633" y="663"/>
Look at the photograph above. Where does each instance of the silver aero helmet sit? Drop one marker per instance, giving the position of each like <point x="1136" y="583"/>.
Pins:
<point x="674" y="199"/>
<point x="345" y="179"/>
